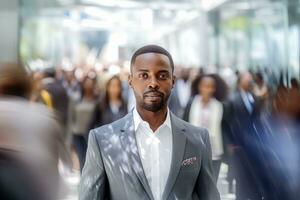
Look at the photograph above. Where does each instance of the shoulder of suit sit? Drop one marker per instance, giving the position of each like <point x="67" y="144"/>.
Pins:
<point x="113" y="127"/>
<point x="191" y="129"/>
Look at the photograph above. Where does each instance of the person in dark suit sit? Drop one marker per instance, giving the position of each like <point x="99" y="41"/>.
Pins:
<point x="242" y="113"/>
<point x="150" y="153"/>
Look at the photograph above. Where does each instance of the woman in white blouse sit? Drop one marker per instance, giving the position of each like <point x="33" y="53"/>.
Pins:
<point x="204" y="110"/>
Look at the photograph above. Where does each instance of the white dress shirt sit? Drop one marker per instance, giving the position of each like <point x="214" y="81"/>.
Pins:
<point x="184" y="91"/>
<point x="248" y="100"/>
<point x="155" y="149"/>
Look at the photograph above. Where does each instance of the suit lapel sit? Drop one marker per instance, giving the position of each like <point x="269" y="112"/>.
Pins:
<point x="241" y="105"/>
<point x="179" y="141"/>
<point x="128" y="140"/>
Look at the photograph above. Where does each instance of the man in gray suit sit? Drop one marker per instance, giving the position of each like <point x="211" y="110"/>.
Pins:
<point x="150" y="153"/>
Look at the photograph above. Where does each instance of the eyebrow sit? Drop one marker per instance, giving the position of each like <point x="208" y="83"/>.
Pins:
<point x="164" y="71"/>
<point x="146" y="70"/>
<point x="143" y="70"/>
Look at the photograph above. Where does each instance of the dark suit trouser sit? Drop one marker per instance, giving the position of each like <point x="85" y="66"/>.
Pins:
<point x="216" y="166"/>
<point x="81" y="148"/>
<point x="247" y="184"/>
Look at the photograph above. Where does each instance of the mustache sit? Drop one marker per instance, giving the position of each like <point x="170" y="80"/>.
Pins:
<point x="153" y="92"/>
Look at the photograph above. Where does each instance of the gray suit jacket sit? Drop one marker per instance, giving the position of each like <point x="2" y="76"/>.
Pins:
<point x="113" y="169"/>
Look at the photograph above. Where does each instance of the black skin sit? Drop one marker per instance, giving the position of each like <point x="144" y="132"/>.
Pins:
<point x="152" y="80"/>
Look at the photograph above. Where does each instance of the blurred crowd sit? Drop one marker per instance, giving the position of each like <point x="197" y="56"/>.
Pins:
<point x="253" y="119"/>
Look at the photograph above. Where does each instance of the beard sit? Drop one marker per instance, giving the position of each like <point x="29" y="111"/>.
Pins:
<point x="154" y="106"/>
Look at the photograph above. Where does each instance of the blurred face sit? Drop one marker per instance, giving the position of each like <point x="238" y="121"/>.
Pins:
<point x="152" y="81"/>
<point x="88" y="85"/>
<point x="69" y="75"/>
<point x="114" y="88"/>
<point x="185" y="74"/>
<point x="246" y="82"/>
<point x="207" y="87"/>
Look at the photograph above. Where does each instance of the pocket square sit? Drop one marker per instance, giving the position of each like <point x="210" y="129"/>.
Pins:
<point x="189" y="161"/>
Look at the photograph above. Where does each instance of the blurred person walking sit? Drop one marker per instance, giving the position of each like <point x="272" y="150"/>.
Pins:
<point x="71" y="84"/>
<point x="31" y="140"/>
<point x="293" y="105"/>
<point x="242" y="115"/>
<point x="260" y="89"/>
<point x="205" y="110"/>
<point x="82" y="116"/>
<point x="279" y="134"/>
<point x="112" y="107"/>
<point x="54" y="95"/>
<point x="50" y="92"/>
<point x="262" y="93"/>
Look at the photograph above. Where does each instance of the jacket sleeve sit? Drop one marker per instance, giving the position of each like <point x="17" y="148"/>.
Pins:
<point x="206" y="187"/>
<point x="93" y="179"/>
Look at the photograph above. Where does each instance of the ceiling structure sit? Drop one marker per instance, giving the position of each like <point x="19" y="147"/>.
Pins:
<point x="135" y="14"/>
<point x="154" y="18"/>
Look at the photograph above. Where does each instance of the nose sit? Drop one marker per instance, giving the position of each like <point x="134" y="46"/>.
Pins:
<point x="153" y="84"/>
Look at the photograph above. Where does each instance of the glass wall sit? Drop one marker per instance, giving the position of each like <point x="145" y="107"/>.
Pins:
<point x="257" y="35"/>
<point x="239" y="34"/>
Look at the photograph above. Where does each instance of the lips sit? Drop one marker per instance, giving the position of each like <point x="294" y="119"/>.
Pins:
<point x="153" y="95"/>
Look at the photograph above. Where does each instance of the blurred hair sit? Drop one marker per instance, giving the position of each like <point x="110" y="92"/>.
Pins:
<point x="259" y="76"/>
<point x="294" y="83"/>
<point x="14" y="80"/>
<point x="106" y="98"/>
<point x="194" y="85"/>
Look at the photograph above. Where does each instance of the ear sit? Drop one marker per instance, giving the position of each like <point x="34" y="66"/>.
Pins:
<point x="130" y="80"/>
<point x="173" y="81"/>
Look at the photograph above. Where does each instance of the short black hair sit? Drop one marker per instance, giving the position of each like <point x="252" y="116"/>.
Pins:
<point x="151" y="49"/>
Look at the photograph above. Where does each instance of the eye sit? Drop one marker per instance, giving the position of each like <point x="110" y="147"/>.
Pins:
<point x="163" y="76"/>
<point x="143" y="75"/>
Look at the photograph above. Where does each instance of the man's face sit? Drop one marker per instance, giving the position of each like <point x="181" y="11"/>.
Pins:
<point x="152" y="81"/>
<point x="246" y="82"/>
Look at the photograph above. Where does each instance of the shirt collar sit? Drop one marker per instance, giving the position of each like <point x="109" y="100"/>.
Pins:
<point x="138" y="120"/>
<point x="247" y="96"/>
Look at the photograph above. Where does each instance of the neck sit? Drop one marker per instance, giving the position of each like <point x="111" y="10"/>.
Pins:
<point x="88" y="95"/>
<point x="205" y="100"/>
<point x="113" y="98"/>
<point x="244" y="90"/>
<point x="155" y="119"/>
